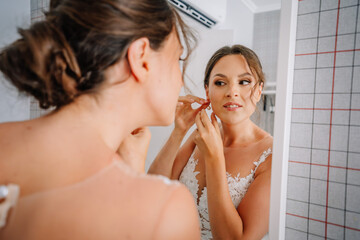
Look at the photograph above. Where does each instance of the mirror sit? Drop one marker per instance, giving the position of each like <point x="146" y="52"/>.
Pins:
<point x="255" y="24"/>
<point x="251" y="23"/>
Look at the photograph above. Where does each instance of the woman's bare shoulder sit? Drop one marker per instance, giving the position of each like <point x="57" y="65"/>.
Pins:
<point x="262" y="134"/>
<point x="264" y="146"/>
<point x="12" y="133"/>
<point x="11" y="136"/>
<point x="265" y="140"/>
<point x="178" y="219"/>
<point x="8" y="129"/>
<point x="265" y="166"/>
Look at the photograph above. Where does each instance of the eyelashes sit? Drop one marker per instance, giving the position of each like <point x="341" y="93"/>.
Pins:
<point x="219" y="83"/>
<point x="245" y="82"/>
<point x="241" y="82"/>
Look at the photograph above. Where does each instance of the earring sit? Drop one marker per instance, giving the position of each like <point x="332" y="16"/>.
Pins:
<point x="209" y="107"/>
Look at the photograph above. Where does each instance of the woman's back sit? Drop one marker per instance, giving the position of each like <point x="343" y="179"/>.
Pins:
<point x="115" y="202"/>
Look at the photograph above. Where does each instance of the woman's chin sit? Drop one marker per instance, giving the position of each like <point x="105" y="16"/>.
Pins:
<point x="230" y="120"/>
<point x="165" y="120"/>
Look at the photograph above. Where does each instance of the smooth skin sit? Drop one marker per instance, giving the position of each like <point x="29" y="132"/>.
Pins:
<point x="77" y="141"/>
<point x="231" y="80"/>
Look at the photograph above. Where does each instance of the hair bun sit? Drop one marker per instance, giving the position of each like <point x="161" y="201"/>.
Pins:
<point x="42" y="64"/>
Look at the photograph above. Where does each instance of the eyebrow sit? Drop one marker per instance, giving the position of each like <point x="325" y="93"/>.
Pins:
<point x="239" y="76"/>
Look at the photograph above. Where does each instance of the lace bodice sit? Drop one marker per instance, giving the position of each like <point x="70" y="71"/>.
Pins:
<point x="237" y="187"/>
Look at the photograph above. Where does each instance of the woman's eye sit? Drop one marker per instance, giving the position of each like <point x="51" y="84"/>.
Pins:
<point x="245" y="82"/>
<point x="219" y="83"/>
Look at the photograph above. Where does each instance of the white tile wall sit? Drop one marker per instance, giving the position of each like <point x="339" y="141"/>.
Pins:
<point x="324" y="157"/>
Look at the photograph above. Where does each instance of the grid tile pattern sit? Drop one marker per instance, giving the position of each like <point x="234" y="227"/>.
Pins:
<point x="37" y="13"/>
<point x="323" y="200"/>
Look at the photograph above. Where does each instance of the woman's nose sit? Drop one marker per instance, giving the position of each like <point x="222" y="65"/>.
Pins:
<point x="233" y="91"/>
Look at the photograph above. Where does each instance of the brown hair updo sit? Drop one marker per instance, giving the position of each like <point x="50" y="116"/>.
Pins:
<point x="65" y="55"/>
<point x="250" y="56"/>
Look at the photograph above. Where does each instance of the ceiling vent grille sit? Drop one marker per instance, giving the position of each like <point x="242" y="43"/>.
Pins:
<point x="196" y="12"/>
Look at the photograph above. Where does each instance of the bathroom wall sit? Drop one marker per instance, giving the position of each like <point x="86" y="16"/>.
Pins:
<point x="265" y="44"/>
<point x="323" y="195"/>
<point x="266" y="40"/>
<point x="13" y="14"/>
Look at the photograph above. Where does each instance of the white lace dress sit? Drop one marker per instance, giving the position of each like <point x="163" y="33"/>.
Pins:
<point x="237" y="187"/>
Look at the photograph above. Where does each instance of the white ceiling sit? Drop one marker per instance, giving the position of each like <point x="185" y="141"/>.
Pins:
<point x="257" y="6"/>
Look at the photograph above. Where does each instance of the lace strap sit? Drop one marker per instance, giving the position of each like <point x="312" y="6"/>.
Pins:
<point x="262" y="158"/>
<point x="11" y="194"/>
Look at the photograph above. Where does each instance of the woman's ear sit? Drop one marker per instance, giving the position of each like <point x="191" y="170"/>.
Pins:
<point x="258" y="92"/>
<point x="138" y="57"/>
<point x="207" y="93"/>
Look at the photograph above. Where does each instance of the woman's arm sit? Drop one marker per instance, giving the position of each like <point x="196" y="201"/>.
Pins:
<point x="250" y="220"/>
<point x="164" y="161"/>
<point x="185" y="117"/>
<point x="254" y="208"/>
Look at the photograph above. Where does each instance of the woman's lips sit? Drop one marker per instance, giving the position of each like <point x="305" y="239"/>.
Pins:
<point x="232" y="106"/>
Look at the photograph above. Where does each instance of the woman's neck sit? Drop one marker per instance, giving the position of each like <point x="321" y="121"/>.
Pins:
<point x="240" y="134"/>
<point x="93" y="123"/>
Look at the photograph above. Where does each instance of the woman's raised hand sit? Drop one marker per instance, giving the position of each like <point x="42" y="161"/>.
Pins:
<point x="133" y="149"/>
<point x="185" y="114"/>
<point x="208" y="136"/>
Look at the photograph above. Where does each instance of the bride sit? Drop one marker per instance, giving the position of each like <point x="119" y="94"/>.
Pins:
<point x="227" y="166"/>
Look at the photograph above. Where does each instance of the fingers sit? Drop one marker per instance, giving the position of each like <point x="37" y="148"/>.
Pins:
<point x="137" y="131"/>
<point x="215" y="122"/>
<point x="205" y="119"/>
<point x="179" y="104"/>
<point x="204" y="106"/>
<point x="200" y="126"/>
<point x="185" y="99"/>
<point x="142" y="131"/>
<point x="185" y="103"/>
<point x="192" y="99"/>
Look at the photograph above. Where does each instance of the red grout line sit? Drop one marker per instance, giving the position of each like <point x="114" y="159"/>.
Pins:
<point x="317" y="220"/>
<point x="331" y="115"/>
<point x="350" y="50"/>
<point x="323" y="165"/>
<point x="333" y="109"/>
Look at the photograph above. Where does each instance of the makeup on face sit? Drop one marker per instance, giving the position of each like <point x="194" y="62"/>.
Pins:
<point x="232" y="106"/>
<point x="230" y="90"/>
